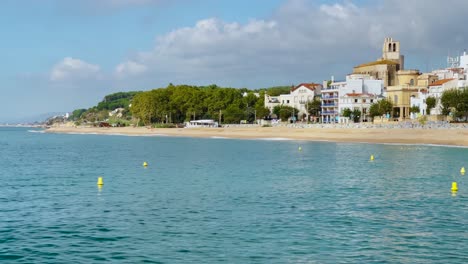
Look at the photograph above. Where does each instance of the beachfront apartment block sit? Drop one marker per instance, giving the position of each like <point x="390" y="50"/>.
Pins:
<point x="298" y="98"/>
<point x="330" y="100"/>
<point x="359" y="93"/>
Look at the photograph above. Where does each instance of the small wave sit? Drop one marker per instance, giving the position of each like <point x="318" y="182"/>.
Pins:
<point x="217" y="137"/>
<point x="275" y="139"/>
<point x="36" y="131"/>
<point x="424" y="144"/>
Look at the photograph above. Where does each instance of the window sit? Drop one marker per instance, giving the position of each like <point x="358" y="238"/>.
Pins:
<point x="371" y="100"/>
<point x="287" y="101"/>
<point x="395" y="99"/>
<point x="363" y="100"/>
<point x="411" y="82"/>
<point x="355" y="100"/>
<point x="364" y="110"/>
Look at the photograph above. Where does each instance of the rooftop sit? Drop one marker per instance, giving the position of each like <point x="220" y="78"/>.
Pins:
<point x="377" y="62"/>
<point x="310" y="86"/>
<point x="440" y="82"/>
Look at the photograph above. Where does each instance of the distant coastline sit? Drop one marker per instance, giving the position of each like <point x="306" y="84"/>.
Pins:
<point x="22" y="125"/>
<point x="438" y="136"/>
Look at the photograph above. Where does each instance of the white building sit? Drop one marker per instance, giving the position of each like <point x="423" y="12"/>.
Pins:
<point x="297" y="98"/>
<point x="420" y="102"/>
<point x="246" y="93"/>
<point x="362" y="83"/>
<point x="330" y="97"/>
<point x="359" y="91"/>
<point x="357" y="101"/>
<point x="437" y="88"/>
<point x="458" y="70"/>
<point x="464" y="61"/>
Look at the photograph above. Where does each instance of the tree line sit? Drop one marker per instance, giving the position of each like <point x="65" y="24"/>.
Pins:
<point x="177" y="104"/>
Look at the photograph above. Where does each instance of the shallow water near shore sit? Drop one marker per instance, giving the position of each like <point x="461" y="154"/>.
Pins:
<point x="224" y="200"/>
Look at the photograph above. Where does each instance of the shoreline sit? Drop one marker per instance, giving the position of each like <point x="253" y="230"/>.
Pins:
<point x="439" y="137"/>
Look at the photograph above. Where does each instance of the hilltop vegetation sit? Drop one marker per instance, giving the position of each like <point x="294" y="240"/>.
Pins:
<point x="101" y="111"/>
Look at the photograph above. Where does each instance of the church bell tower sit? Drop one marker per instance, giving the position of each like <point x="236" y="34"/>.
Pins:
<point x="391" y="51"/>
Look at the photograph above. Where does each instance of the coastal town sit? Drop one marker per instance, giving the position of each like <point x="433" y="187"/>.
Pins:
<point x="381" y="92"/>
<point x="386" y="78"/>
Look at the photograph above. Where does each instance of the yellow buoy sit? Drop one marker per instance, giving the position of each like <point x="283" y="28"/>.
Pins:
<point x="462" y="171"/>
<point x="371" y="157"/>
<point x="145" y="164"/>
<point x="300" y="148"/>
<point x="100" y="181"/>
<point x="454" y="187"/>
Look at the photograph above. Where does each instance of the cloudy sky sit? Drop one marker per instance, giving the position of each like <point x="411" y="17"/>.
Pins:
<point x="59" y="55"/>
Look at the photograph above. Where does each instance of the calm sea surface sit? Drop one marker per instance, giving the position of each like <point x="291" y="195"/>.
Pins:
<point x="233" y="201"/>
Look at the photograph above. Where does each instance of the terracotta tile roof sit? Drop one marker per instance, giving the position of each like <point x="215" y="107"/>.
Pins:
<point x="310" y="86"/>
<point x="377" y="62"/>
<point x="440" y="82"/>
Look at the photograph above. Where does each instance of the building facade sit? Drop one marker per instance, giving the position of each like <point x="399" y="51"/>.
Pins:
<point x="437" y="88"/>
<point x="357" y="101"/>
<point x="330" y="102"/>
<point x="360" y="91"/>
<point x="298" y="98"/>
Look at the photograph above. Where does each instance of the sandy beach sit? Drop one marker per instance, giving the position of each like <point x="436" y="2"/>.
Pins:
<point x="452" y="137"/>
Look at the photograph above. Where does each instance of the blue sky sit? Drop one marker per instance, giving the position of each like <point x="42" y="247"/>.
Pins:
<point x="59" y="55"/>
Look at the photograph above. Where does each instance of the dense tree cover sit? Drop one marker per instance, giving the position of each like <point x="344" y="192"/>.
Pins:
<point x="101" y="111"/>
<point x="381" y="108"/>
<point x="455" y="102"/>
<point x="354" y="115"/>
<point x="314" y="107"/>
<point x="430" y="103"/>
<point x="276" y="90"/>
<point x="77" y="114"/>
<point x="176" y="104"/>
<point x="285" y="112"/>
<point x="414" y="109"/>
<point x="116" y="100"/>
<point x="347" y="112"/>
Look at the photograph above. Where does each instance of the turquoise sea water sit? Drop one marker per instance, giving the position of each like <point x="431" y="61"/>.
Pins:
<point x="232" y="201"/>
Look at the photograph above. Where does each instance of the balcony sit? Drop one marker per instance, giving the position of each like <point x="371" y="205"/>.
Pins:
<point x="329" y="113"/>
<point x="331" y="104"/>
<point x="329" y="97"/>
<point x="330" y="89"/>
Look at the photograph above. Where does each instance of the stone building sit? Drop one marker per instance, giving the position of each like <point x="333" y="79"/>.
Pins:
<point x="386" y="67"/>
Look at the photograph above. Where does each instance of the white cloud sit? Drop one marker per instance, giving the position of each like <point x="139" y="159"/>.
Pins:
<point x="129" y="68"/>
<point x="74" y="69"/>
<point x="301" y="41"/>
